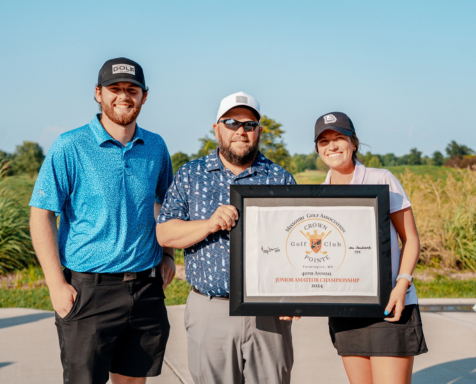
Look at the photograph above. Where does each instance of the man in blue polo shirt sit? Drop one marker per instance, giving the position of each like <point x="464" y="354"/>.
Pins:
<point x="197" y="216"/>
<point x="107" y="180"/>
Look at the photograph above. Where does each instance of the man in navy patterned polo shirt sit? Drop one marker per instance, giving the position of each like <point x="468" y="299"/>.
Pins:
<point x="197" y="215"/>
<point x="107" y="180"/>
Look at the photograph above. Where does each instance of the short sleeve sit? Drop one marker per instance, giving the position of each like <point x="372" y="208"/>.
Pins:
<point x="52" y="186"/>
<point x="175" y="205"/>
<point x="291" y="180"/>
<point x="165" y="178"/>
<point x="398" y="197"/>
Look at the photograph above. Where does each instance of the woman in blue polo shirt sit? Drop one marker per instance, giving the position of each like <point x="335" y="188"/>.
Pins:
<point x="376" y="350"/>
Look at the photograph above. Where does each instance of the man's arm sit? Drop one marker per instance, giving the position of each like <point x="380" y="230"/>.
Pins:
<point x="44" y="235"/>
<point x="183" y="234"/>
<point x="166" y="265"/>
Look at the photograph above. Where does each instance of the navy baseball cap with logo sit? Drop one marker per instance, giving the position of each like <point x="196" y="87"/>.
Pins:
<point x="121" y="69"/>
<point x="337" y="121"/>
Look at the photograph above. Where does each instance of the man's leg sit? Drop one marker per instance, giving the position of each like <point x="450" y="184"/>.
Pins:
<point x="214" y="341"/>
<point x="139" y="351"/>
<point x="267" y="350"/>
<point x="88" y="334"/>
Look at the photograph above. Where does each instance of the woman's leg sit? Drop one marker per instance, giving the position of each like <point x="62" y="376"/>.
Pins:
<point x="391" y="370"/>
<point x="358" y="369"/>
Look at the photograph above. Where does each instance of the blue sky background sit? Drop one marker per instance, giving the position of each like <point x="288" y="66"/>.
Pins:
<point x="405" y="72"/>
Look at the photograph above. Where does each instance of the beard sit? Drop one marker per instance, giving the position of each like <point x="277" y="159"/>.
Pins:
<point x="232" y="156"/>
<point x="120" y="119"/>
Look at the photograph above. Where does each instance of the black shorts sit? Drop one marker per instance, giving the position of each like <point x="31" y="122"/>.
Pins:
<point x="113" y="326"/>
<point x="376" y="337"/>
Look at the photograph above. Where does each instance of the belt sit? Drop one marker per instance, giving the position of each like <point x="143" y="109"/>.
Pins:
<point x="211" y="297"/>
<point x="122" y="276"/>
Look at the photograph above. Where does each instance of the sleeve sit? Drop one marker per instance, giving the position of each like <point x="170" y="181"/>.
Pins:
<point x="398" y="198"/>
<point x="291" y="180"/>
<point x="52" y="186"/>
<point x="165" y="178"/>
<point x="175" y="205"/>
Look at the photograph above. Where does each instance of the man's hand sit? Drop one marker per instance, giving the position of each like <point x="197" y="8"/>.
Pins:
<point x="62" y="298"/>
<point x="224" y="218"/>
<point x="167" y="270"/>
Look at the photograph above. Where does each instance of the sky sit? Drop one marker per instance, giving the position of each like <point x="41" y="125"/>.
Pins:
<point x="404" y="72"/>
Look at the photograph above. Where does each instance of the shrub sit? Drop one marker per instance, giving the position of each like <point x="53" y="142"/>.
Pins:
<point x="16" y="250"/>
<point x="445" y="213"/>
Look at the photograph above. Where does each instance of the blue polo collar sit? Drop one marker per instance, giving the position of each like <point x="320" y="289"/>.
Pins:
<point x="259" y="165"/>
<point x="101" y="135"/>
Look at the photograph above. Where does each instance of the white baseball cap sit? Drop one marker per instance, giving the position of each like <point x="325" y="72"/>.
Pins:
<point x="236" y="100"/>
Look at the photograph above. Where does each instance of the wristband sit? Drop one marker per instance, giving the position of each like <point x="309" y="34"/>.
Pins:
<point x="169" y="255"/>
<point x="405" y="276"/>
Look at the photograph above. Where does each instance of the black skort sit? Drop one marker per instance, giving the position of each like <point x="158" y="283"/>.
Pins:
<point x="114" y="326"/>
<point x="376" y="337"/>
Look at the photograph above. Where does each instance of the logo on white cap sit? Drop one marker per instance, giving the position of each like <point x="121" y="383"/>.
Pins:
<point x="236" y="100"/>
<point x="328" y="119"/>
<point x="123" y="68"/>
<point x="242" y="99"/>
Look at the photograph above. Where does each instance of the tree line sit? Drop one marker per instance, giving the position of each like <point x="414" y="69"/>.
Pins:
<point x="274" y="148"/>
<point x="28" y="157"/>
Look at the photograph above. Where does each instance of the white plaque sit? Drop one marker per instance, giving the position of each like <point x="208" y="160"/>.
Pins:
<point x="311" y="251"/>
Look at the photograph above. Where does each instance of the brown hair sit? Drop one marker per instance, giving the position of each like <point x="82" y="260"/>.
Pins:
<point x="355" y="140"/>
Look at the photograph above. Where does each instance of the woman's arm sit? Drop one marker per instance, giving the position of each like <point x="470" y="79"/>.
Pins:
<point x="404" y="223"/>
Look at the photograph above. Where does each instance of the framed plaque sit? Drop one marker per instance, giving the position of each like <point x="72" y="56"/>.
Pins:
<point x="310" y="250"/>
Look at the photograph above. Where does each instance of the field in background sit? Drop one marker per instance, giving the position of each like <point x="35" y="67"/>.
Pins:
<point x="444" y="204"/>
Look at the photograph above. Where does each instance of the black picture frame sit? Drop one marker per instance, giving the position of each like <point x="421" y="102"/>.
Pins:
<point x="296" y="195"/>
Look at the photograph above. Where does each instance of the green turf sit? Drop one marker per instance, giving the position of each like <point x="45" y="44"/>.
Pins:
<point x="39" y="298"/>
<point x="310" y="177"/>
<point x="433" y="171"/>
<point x="177" y="292"/>
<point x="443" y="287"/>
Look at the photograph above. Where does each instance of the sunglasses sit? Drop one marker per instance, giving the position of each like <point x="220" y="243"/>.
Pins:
<point x="234" y="125"/>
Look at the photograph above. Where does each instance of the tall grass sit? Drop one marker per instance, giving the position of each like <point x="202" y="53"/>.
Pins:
<point x="16" y="250"/>
<point x="445" y="213"/>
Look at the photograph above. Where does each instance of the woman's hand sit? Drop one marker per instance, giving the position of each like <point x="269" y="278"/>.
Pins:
<point x="397" y="301"/>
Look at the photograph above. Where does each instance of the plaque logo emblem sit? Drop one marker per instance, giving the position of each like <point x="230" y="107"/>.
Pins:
<point x="316" y="244"/>
<point x="315" y="241"/>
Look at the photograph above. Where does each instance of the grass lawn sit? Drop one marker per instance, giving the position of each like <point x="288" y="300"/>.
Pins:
<point x="310" y="177"/>
<point x="39" y="298"/>
<point x="443" y="287"/>
<point x="318" y="177"/>
<point x="177" y="292"/>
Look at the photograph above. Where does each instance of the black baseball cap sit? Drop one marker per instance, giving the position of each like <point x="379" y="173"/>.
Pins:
<point x="122" y="69"/>
<point x="337" y="121"/>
